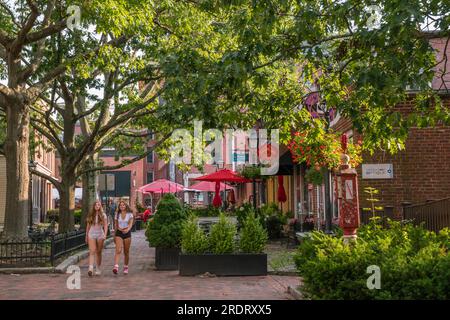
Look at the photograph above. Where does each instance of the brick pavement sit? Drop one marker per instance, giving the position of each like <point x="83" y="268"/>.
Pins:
<point x="143" y="282"/>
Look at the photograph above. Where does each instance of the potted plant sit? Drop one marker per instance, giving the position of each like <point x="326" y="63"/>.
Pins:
<point x="164" y="232"/>
<point x="218" y="253"/>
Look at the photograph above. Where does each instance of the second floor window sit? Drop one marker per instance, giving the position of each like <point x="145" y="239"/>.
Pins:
<point x="149" y="177"/>
<point x="150" y="157"/>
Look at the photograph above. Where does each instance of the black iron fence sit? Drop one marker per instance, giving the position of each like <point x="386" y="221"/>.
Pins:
<point x="62" y="244"/>
<point x="435" y="215"/>
<point x="40" y="251"/>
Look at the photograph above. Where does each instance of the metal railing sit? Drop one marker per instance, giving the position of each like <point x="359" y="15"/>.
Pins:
<point x="62" y="244"/>
<point x="435" y="215"/>
<point x="385" y="214"/>
<point x="39" y="251"/>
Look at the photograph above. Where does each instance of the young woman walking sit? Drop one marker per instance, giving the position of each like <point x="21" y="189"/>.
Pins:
<point x="96" y="231"/>
<point x="123" y="224"/>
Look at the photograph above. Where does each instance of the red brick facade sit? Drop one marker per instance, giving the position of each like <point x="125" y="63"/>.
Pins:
<point x="421" y="171"/>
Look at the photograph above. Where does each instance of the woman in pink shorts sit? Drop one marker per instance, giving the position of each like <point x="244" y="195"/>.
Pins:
<point x="96" y="230"/>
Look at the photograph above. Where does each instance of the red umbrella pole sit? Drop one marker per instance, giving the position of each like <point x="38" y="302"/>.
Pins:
<point x="217" y="201"/>
<point x="281" y="192"/>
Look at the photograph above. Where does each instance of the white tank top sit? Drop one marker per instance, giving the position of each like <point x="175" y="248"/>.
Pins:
<point x="124" y="223"/>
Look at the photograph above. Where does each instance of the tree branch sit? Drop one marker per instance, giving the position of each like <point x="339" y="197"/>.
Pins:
<point x="19" y="42"/>
<point x="46" y="32"/>
<point x="54" y="139"/>
<point x="37" y="88"/>
<point x="5" y="39"/>
<point x="55" y="182"/>
<point x="114" y="122"/>
<point x="8" y="10"/>
<point x="127" y="161"/>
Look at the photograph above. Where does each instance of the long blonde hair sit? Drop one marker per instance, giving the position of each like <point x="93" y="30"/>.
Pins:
<point x="90" y="219"/>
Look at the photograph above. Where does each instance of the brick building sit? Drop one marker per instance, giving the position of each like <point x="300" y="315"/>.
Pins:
<point x="43" y="160"/>
<point x="417" y="174"/>
<point x="421" y="172"/>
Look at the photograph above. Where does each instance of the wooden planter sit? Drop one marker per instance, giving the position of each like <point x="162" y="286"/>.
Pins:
<point x="237" y="264"/>
<point x="166" y="258"/>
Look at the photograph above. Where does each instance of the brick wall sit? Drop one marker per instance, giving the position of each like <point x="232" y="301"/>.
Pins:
<point x="421" y="171"/>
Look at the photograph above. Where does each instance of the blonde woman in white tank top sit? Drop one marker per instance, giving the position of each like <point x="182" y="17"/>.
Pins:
<point x="96" y="231"/>
<point x="123" y="222"/>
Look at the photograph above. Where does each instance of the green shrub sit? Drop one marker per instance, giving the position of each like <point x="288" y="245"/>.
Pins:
<point x="165" y="228"/>
<point x="242" y="212"/>
<point x="221" y="237"/>
<point x="273" y="219"/>
<point x="139" y="207"/>
<point x="274" y="225"/>
<point x="253" y="236"/>
<point x="53" y="215"/>
<point x="193" y="239"/>
<point x="77" y="216"/>
<point x="314" y="176"/>
<point x="414" y="264"/>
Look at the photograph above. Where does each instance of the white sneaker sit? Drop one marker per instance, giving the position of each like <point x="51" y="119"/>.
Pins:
<point x="91" y="271"/>
<point x="98" y="272"/>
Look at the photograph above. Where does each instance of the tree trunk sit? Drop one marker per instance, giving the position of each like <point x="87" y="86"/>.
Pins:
<point x="89" y="190"/>
<point x="17" y="174"/>
<point x="67" y="204"/>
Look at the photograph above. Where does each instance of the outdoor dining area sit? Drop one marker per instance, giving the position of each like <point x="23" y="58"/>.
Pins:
<point x="221" y="183"/>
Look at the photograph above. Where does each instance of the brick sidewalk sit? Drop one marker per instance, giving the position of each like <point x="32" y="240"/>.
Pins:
<point x="143" y="282"/>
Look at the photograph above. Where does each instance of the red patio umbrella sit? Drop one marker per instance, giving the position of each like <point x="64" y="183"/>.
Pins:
<point x="224" y="175"/>
<point x="281" y="192"/>
<point x="161" y="186"/>
<point x="207" y="186"/>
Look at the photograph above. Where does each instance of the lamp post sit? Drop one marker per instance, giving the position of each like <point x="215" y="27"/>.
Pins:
<point x="31" y="166"/>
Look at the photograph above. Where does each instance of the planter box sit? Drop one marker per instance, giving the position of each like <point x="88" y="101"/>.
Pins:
<point x="166" y="258"/>
<point x="238" y="264"/>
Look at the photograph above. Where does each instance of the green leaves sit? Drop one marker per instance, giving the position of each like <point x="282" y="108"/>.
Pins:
<point x="253" y="236"/>
<point x="221" y="237"/>
<point x="165" y="229"/>
<point x="193" y="239"/>
<point x="412" y="261"/>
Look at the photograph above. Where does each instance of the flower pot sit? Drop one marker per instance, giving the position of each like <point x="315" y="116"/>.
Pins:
<point x="236" y="264"/>
<point x="166" y="258"/>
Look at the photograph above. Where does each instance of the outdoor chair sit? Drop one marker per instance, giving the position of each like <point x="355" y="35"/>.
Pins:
<point x="290" y="237"/>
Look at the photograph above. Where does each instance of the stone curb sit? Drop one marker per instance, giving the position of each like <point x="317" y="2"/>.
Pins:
<point x="295" y="293"/>
<point x="282" y="273"/>
<point x="14" y="271"/>
<point x="74" y="259"/>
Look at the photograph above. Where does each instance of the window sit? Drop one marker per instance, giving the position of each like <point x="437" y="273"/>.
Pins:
<point x="150" y="157"/>
<point x="149" y="177"/>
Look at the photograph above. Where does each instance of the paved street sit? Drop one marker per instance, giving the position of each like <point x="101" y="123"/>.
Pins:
<point x="143" y="282"/>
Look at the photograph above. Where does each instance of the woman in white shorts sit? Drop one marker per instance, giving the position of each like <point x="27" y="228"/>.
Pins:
<point x="96" y="230"/>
